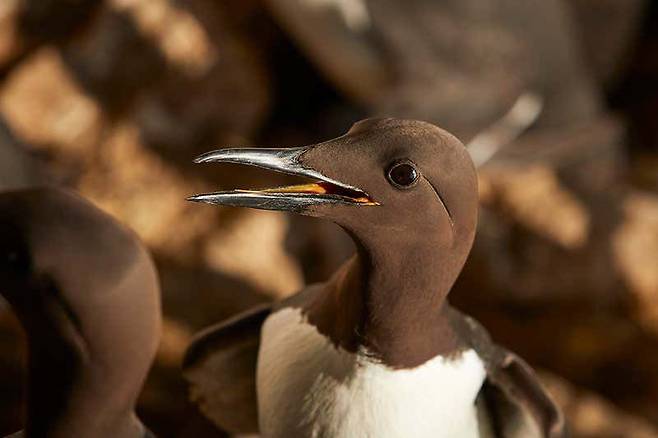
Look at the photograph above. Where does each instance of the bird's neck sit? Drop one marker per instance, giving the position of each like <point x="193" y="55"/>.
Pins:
<point x="392" y="302"/>
<point x="67" y="396"/>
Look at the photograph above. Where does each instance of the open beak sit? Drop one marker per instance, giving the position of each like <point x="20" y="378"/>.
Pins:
<point x="295" y="198"/>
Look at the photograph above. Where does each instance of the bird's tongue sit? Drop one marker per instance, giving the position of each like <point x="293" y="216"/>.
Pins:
<point x="300" y="188"/>
<point x="321" y="188"/>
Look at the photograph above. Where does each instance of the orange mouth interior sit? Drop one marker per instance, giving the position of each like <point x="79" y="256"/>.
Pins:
<point x="324" y="188"/>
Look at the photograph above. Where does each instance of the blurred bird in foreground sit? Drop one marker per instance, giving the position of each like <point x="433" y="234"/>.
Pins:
<point x="376" y="350"/>
<point x="86" y="292"/>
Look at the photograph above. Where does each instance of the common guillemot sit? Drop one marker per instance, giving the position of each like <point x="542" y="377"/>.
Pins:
<point x="86" y="292"/>
<point x="376" y="351"/>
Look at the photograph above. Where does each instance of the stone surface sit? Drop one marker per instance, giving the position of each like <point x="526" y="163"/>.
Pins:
<point x="635" y="245"/>
<point x="606" y="30"/>
<point x="550" y="205"/>
<point x="45" y="105"/>
<point x="590" y="416"/>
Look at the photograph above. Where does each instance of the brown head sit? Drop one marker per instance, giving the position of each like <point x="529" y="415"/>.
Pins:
<point x="87" y="295"/>
<point x="406" y="191"/>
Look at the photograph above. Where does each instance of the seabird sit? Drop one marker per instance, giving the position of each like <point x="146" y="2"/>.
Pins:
<point x="376" y="350"/>
<point x="86" y="293"/>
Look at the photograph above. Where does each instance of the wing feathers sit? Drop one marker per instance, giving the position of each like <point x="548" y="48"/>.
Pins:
<point x="220" y="366"/>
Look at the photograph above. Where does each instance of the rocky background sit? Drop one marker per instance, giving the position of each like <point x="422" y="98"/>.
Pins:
<point x="115" y="98"/>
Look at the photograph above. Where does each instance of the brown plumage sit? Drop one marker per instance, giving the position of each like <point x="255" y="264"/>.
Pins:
<point x="406" y="192"/>
<point x="86" y="292"/>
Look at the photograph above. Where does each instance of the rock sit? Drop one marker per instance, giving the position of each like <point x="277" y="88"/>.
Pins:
<point x="225" y="104"/>
<point x="25" y="25"/>
<point x="44" y="105"/>
<point x="526" y="192"/>
<point x="113" y="62"/>
<point x="606" y="30"/>
<point x="550" y="205"/>
<point x="252" y="248"/>
<point x="174" y="30"/>
<point x="10" y="40"/>
<point x="591" y="416"/>
<point x="635" y="250"/>
<point x="134" y="184"/>
<point x="52" y="20"/>
<point x="178" y="69"/>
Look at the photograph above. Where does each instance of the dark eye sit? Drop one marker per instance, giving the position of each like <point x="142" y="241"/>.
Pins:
<point x="403" y="174"/>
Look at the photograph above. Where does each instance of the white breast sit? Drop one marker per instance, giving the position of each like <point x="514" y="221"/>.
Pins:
<point x="309" y="388"/>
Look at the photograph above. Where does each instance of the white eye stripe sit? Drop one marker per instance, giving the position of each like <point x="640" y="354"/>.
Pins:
<point x="442" y="202"/>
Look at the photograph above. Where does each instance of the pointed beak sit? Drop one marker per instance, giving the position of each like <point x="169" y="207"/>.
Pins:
<point x="297" y="198"/>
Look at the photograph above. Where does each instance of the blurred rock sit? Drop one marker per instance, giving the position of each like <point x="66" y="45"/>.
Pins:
<point x="53" y="20"/>
<point x="635" y="245"/>
<point x="27" y="24"/>
<point x="550" y="205"/>
<point x="44" y="105"/>
<point x="10" y="43"/>
<point x="113" y="61"/>
<point x="217" y="94"/>
<point x="590" y="416"/>
<point x="177" y="68"/>
<point x="252" y="248"/>
<point x="189" y="78"/>
<point x="196" y="296"/>
<point x="177" y="33"/>
<point x="526" y="192"/>
<point x="134" y="184"/>
<point x="606" y="30"/>
<point x="645" y="171"/>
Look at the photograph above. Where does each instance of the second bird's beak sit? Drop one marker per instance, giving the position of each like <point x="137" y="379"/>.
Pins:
<point x="295" y="198"/>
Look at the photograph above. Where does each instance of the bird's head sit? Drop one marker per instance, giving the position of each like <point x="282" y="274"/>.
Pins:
<point x="386" y="179"/>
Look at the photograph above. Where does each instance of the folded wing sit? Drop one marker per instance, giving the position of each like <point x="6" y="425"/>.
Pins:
<point x="220" y="366"/>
